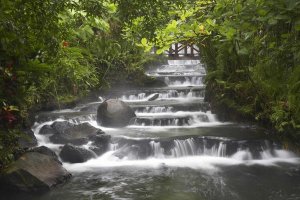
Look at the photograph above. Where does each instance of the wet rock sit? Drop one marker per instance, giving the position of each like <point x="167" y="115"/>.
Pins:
<point x="100" y="144"/>
<point x="152" y="97"/>
<point x="61" y="126"/>
<point x="133" y="149"/>
<point x="47" y="130"/>
<point x="74" y="154"/>
<point x="45" y="151"/>
<point x="154" y="82"/>
<point x="76" y="134"/>
<point x="114" y="113"/>
<point x="33" y="172"/>
<point x="129" y="152"/>
<point x="27" y="140"/>
<point x="203" y="118"/>
<point x="56" y="128"/>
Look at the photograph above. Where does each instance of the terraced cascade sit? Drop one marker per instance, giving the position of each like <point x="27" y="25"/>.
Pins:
<point x="175" y="149"/>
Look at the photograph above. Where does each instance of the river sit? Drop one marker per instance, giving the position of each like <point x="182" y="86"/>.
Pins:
<point x="176" y="149"/>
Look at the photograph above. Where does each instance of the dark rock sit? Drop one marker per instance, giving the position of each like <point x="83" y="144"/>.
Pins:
<point x="101" y="144"/>
<point x="133" y="149"/>
<point x="27" y="140"/>
<point x="154" y="82"/>
<point x="33" y="172"/>
<point x="76" y="134"/>
<point x="47" y="130"/>
<point x="45" y="151"/>
<point x="114" y="113"/>
<point x="152" y="97"/>
<point x="61" y="126"/>
<point x="130" y="152"/>
<point x="74" y="154"/>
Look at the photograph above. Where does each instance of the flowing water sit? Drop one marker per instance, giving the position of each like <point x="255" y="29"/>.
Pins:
<point x="176" y="149"/>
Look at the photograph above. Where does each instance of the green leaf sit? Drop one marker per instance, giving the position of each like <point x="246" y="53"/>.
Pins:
<point x="297" y="25"/>
<point x="243" y="51"/>
<point x="238" y="7"/>
<point x="272" y="21"/>
<point x="291" y="4"/>
<point x="240" y="71"/>
<point x="13" y="108"/>
<point x="221" y="82"/>
<point x="159" y="51"/>
<point x="172" y="27"/>
<point x="211" y="22"/>
<point x="262" y="12"/>
<point x="230" y="33"/>
<point x="144" y="41"/>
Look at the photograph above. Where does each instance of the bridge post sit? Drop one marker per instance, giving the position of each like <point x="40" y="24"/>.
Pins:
<point x="192" y="50"/>
<point x="176" y="50"/>
<point x="185" y="50"/>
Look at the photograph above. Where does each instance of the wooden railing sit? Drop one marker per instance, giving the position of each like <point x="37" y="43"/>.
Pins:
<point x="179" y="50"/>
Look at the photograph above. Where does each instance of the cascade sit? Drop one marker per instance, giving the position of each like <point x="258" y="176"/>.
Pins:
<point x="183" y="78"/>
<point x="175" y="131"/>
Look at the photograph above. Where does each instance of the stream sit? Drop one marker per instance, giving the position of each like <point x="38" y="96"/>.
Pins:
<point x="175" y="148"/>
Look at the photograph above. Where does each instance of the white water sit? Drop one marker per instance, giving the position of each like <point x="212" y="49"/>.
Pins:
<point x="159" y="109"/>
<point x="183" y="62"/>
<point x="195" y="162"/>
<point x="188" y="81"/>
<point x="174" y="114"/>
<point x="171" y="94"/>
<point x="185" y="153"/>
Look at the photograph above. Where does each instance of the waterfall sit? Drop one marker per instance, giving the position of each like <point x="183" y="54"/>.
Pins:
<point x="174" y="125"/>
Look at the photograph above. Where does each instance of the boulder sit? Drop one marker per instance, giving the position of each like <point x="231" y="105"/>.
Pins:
<point x="56" y="128"/>
<point x="152" y="97"/>
<point x="74" y="154"/>
<point x="76" y="134"/>
<point x="47" y="130"/>
<point x="114" y="113"/>
<point x="33" y="172"/>
<point x="45" y="151"/>
<point x="27" y="140"/>
<point x="61" y="126"/>
<point x="100" y="144"/>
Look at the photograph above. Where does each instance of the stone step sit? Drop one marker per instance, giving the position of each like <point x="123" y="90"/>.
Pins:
<point x="172" y="108"/>
<point x="171" y="102"/>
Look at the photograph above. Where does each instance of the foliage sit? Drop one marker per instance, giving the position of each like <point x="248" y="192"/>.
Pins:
<point x="55" y="52"/>
<point x="51" y="53"/>
<point x="7" y="146"/>
<point x="251" y="49"/>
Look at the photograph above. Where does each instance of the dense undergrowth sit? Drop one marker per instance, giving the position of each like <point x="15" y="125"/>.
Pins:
<point x="251" y="50"/>
<point x="53" y="53"/>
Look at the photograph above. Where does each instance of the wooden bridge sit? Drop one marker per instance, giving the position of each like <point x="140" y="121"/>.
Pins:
<point x="182" y="51"/>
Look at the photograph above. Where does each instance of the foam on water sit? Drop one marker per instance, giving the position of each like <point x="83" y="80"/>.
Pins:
<point x="169" y="95"/>
<point x="184" y="151"/>
<point x="64" y="111"/>
<point x="195" y="162"/>
<point x="196" y="125"/>
<point x="173" y="114"/>
<point x="183" y="62"/>
<point x="158" y="109"/>
<point x="188" y="81"/>
<point x="43" y="140"/>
